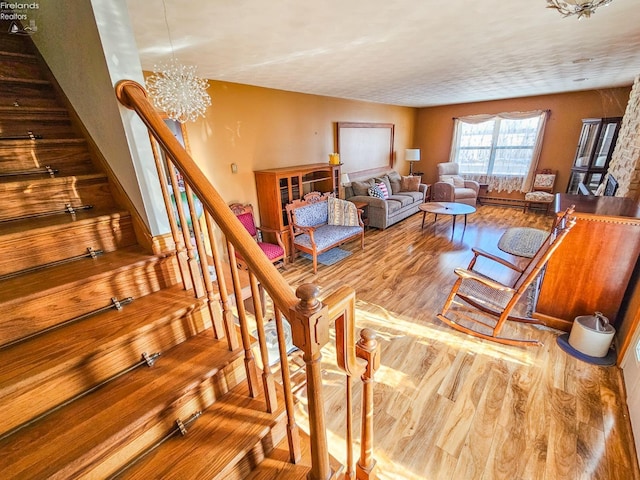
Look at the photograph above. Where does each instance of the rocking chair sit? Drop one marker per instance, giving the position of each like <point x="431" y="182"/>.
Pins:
<point x="491" y="301"/>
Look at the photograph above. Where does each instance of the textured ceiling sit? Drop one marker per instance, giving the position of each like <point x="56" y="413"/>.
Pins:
<point x="401" y="52"/>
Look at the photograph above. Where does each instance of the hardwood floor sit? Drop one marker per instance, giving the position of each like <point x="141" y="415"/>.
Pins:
<point x="450" y="406"/>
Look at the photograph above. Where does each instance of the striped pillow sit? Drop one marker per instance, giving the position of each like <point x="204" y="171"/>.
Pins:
<point x="383" y="188"/>
<point x="375" y="192"/>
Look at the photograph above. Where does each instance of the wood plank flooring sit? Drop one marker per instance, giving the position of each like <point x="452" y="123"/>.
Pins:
<point x="449" y="406"/>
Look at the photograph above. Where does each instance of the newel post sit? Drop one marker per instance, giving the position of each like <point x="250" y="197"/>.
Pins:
<point x="310" y="331"/>
<point x="368" y="349"/>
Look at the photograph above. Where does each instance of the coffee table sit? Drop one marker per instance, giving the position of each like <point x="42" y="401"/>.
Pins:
<point x="446" y="208"/>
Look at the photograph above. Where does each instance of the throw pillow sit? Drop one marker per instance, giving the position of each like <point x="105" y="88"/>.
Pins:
<point x="375" y="192"/>
<point x="395" y="180"/>
<point x="361" y="187"/>
<point x="458" y="181"/>
<point x="384" y="179"/>
<point x="410" y="184"/>
<point x="383" y="189"/>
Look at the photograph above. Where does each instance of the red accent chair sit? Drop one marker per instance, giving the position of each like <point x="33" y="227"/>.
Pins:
<point x="274" y="252"/>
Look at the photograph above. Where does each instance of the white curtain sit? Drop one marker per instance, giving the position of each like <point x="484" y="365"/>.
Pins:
<point x="502" y="179"/>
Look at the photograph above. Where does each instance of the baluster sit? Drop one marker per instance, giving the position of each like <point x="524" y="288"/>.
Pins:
<point x="293" y="436"/>
<point x="192" y="262"/>
<point x="310" y="326"/>
<point x="204" y="262"/>
<point x="178" y="241"/>
<point x="368" y="349"/>
<point x="225" y="302"/>
<point x="267" y="377"/>
<point x="249" y="360"/>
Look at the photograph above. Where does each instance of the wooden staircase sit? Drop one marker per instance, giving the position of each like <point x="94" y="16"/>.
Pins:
<point x="80" y="395"/>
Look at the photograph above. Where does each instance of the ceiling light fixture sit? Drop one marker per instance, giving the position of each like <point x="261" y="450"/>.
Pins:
<point x="581" y="8"/>
<point x="176" y="89"/>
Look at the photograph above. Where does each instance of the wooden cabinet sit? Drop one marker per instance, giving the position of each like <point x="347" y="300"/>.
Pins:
<point x="278" y="186"/>
<point x="595" y="147"/>
<point x="594" y="266"/>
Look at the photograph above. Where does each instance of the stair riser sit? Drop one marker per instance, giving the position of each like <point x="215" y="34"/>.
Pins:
<point x="26" y="400"/>
<point x="27" y="95"/>
<point x="108" y="453"/>
<point x="198" y="399"/>
<point x="66" y="241"/>
<point x="24" y="316"/>
<point x="245" y="464"/>
<point x="46" y="127"/>
<point x="68" y="159"/>
<point x="22" y="198"/>
<point x="14" y="43"/>
<point x="20" y="67"/>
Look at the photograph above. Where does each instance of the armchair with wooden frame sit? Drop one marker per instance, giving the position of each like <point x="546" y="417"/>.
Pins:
<point x="275" y="252"/>
<point x="541" y="190"/>
<point x="487" y="303"/>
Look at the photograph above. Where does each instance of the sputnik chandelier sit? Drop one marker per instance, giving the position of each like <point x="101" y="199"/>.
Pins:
<point x="581" y="8"/>
<point x="176" y="89"/>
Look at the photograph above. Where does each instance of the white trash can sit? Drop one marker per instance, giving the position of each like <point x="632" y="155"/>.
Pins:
<point x="592" y="335"/>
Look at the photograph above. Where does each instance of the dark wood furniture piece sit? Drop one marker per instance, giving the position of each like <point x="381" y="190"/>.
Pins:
<point x="276" y="187"/>
<point x="597" y="140"/>
<point x="594" y="266"/>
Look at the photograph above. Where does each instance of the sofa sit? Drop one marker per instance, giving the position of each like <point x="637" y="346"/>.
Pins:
<point x="403" y="197"/>
<point x="451" y="187"/>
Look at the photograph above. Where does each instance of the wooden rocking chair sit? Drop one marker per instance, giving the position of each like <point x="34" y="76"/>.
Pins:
<point x="491" y="301"/>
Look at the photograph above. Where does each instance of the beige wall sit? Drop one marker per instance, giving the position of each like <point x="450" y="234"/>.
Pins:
<point x="258" y="128"/>
<point x="435" y="126"/>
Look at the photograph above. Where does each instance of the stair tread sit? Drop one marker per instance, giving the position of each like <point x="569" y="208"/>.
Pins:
<point x="277" y="464"/>
<point x="33" y="284"/>
<point x="29" y="226"/>
<point x="42" y="355"/>
<point x="41" y="141"/>
<point x="54" y="443"/>
<point x="32" y="110"/>
<point x="226" y="432"/>
<point x="24" y="80"/>
<point x="50" y="182"/>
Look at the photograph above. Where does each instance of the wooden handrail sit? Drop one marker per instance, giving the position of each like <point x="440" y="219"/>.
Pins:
<point x="308" y="316"/>
<point x="133" y="96"/>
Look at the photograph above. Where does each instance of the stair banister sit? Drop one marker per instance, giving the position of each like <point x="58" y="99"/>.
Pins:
<point x="360" y="359"/>
<point x="308" y="317"/>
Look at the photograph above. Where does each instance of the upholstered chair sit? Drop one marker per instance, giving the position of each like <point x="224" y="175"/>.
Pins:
<point x="274" y="251"/>
<point x="451" y="187"/>
<point x="542" y="190"/>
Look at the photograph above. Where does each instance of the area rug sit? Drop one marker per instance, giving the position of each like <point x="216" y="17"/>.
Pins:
<point x="329" y="257"/>
<point x="606" y="361"/>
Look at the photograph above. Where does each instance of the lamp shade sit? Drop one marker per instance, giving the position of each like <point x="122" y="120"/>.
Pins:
<point x="412" y="154"/>
<point x="344" y="179"/>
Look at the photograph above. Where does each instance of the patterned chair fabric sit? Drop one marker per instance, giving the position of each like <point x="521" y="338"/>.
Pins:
<point x="541" y="191"/>
<point x="310" y="229"/>
<point x="275" y="252"/>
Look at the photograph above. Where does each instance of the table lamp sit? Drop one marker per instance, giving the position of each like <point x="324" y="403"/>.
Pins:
<point x="412" y="155"/>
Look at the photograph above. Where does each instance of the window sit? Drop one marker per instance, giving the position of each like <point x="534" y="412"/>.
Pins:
<point x="499" y="150"/>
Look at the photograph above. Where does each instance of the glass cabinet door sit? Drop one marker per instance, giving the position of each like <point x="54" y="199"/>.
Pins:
<point x="606" y="144"/>
<point x="588" y="138"/>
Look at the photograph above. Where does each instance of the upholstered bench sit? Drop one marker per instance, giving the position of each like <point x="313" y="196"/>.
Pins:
<point x="316" y="227"/>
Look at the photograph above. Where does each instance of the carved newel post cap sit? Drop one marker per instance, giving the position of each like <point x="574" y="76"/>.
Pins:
<point x="368" y="338"/>
<point x="308" y="295"/>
